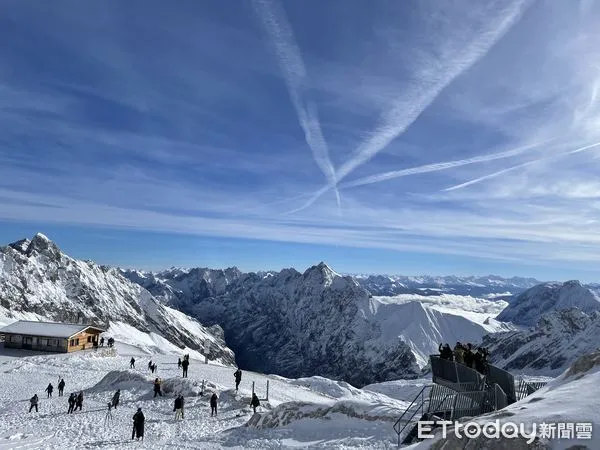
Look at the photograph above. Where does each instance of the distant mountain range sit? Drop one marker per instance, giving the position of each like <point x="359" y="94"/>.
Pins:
<point x="361" y="329"/>
<point x="488" y="286"/>
<point x="322" y="323"/>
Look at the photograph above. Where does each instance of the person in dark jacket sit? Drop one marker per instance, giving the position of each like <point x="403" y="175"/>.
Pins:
<point x="468" y="356"/>
<point x="49" y="390"/>
<point x="115" y="399"/>
<point x="132" y="363"/>
<point x="138" y="425"/>
<point x="33" y="403"/>
<point x="213" y="404"/>
<point x="102" y="342"/>
<point x="255" y="402"/>
<point x="79" y="401"/>
<point x="185" y="364"/>
<point x="445" y="352"/>
<point x="150" y="365"/>
<point x="480" y="361"/>
<point x="61" y="387"/>
<point x="157" y="387"/>
<point x="179" y="363"/>
<point x="178" y="407"/>
<point x="238" y="378"/>
<point x="72" y="401"/>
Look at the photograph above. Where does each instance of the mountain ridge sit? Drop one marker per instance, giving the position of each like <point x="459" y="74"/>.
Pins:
<point x="39" y="281"/>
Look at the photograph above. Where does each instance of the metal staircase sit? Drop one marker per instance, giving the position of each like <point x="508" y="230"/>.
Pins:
<point x="459" y="391"/>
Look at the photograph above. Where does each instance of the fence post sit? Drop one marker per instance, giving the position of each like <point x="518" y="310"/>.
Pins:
<point x="202" y="392"/>
<point x="267" y="390"/>
<point x="253" y="387"/>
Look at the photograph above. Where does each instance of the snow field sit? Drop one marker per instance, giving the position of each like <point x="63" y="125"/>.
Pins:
<point x="319" y="412"/>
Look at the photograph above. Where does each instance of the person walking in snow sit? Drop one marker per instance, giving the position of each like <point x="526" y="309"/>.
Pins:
<point x="157" y="387"/>
<point x="79" y="401"/>
<point x="72" y="400"/>
<point x="179" y="363"/>
<point x="255" y="403"/>
<point x="138" y="425"/>
<point x="115" y="399"/>
<point x="33" y="403"/>
<point x="102" y="342"/>
<point x="132" y="363"/>
<point x="213" y="404"/>
<point x="49" y="390"/>
<point x="238" y="378"/>
<point x="182" y="406"/>
<point x="61" y="387"/>
<point x="185" y="364"/>
<point x="150" y="365"/>
<point x="178" y="407"/>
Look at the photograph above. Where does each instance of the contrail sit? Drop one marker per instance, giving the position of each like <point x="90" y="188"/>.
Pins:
<point x="405" y="111"/>
<point x="436" y="167"/>
<point x="510" y="169"/>
<point x="294" y="72"/>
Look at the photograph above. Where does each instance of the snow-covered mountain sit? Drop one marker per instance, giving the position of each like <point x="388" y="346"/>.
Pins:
<point x="38" y="281"/>
<point x="548" y="348"/>
<point x="291" y="323"/>
<point x="177" y="287"/>
<point x="423" y="322"/>
<point x="490" y="286"/>
<point x="527" y="308"/>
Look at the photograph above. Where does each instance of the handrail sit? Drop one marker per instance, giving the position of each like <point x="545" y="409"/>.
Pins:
<point x="420" y="394"/>
<point x="419" y="406"/>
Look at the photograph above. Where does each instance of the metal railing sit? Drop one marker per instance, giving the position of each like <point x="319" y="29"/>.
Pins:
<point x="524" y="388"/>
<point x="445" y="371"/>
<point x="504" y="379"/>
<point x="417" y="405"/>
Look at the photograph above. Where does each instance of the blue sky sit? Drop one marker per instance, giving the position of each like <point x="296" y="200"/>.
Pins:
<point x="401" y="137"/>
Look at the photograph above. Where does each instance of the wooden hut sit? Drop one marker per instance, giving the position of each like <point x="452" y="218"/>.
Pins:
<point x="50" y="336"/>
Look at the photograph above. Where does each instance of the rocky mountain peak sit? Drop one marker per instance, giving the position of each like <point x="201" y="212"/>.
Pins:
<point x="42" y="245"/>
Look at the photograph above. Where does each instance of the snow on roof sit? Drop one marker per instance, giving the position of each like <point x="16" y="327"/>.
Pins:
<point x="48" y="329"/>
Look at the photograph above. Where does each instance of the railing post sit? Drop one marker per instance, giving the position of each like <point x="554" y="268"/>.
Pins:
<point x="253" y="387"/>
<point x="267" y="390"/>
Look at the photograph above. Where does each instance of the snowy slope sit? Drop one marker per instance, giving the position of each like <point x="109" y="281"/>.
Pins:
<point x="313" y="412"/>
<point x="38" y="281"/>
<point x="528" y="307"/>
<point x="547" y="349"/>
<point x="423" y="322"/>
<point x="569" y="398"/>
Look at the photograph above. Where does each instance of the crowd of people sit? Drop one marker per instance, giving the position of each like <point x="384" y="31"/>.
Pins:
<point x="465" y="354"/>
<point x="75" y="401"/>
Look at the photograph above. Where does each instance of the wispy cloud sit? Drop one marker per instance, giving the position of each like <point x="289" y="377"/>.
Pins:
<point x="519" y="166"/>
<point x="438" y="74"/>
<point x="179" y="123"/>
<point x="297" y="81"/>
<point x="436" y="167"/>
